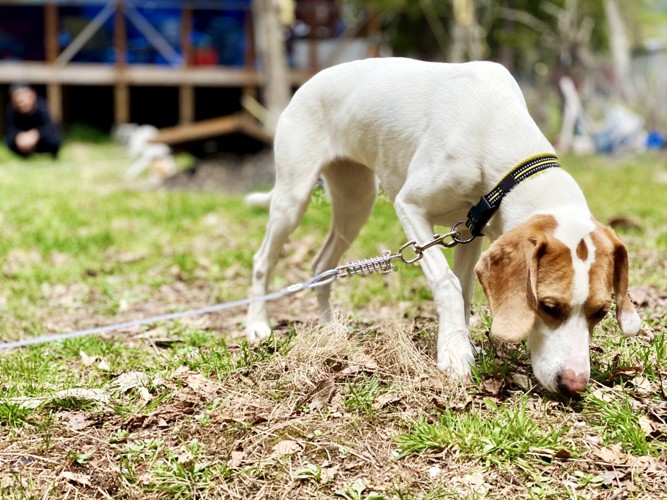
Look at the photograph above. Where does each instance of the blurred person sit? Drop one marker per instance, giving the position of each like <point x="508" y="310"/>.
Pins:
<point x="29" y="126"/>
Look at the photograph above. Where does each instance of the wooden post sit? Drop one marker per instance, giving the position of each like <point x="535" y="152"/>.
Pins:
<point x="186" y="91"/>
<point x="51" y="31"/>
<point x="121" y="88"/>
<point x="374" y="32"/>
<point x="313" y="57"/>
<point x="250" y="55"/>
<point x="53" y="90"/>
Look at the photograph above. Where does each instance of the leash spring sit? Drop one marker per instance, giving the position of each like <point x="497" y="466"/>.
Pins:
<point x="380" y="264"/>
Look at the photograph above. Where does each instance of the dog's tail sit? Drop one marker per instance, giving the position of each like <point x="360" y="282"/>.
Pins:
<point x="260" y="200"/>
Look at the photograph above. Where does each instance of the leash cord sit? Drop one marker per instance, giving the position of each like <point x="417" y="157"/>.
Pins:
<point x="320" y="280"/>
<point x="382" y="264"/>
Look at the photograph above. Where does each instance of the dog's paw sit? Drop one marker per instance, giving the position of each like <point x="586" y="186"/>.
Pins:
<point x="457" y="364"/>
<point x="257" y="331"/>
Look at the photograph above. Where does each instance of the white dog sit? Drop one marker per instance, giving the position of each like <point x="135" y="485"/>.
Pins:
<point x="440" y="136"/>
<point x="156" y="157"/>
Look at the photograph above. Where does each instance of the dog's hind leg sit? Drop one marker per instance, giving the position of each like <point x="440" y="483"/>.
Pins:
<point x="352" y="189"/>
<point x="289" y="200"/>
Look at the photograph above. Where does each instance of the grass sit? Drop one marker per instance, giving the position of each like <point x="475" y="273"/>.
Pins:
<point x="187" y="409"/>
<point x="508" y="438"/>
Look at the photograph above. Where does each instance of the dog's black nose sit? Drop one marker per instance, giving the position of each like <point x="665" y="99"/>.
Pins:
<point x="570" y="383"/>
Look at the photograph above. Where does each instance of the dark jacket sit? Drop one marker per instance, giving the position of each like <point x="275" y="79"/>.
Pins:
<point x="40" y="119"/>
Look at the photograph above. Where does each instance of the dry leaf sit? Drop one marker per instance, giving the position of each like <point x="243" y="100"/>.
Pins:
<point x="386" y="399"/>
<point x="83" y="479"/>
<point x="104" y="365"/>
<point x="625" y="221"/>
<point x="473" y="483"/>
<point x="286" y="447"/>
<point x="328" y="474"/>
<point x="26" y="402"/>
<point x="7" y="482"/>
<point x="603" y="395"/>
<point x="87" y="360"/>
<point x="351" y="370"/>
<point x="521" y="380"/>
<point x="612" y="477"/>
<point x="492" y="386"/>
<point x="441" y="403"/>
<point x="650" y="297"/>
<point x="236" y="459"/>
<point x="647" y="464"/>
<point x="643" y="384"/>
<point x="81" y="394"/>
<point x="367" y="365"/>
<point x="131" y="380"/>
<point x="434" y="471"/>
<point x="324" y="391"/>
<point x="202" y="386"/>
<point x="646" y="425"/>
<point x="625" y="371"/>
<point x="145" y="478"/>
<point x="145" y="394"/>
<point x="180" y="371"/>
<point x="611" y="454"/>
<point x="185" y="458"/>
<point x="75" y="421"/>
<point x="591" y="439"/>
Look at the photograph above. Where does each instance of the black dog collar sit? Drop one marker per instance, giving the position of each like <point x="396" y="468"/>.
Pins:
<point x="480" y="214"/>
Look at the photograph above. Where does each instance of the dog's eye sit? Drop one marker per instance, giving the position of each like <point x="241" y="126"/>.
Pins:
<point x="550" y="309"/>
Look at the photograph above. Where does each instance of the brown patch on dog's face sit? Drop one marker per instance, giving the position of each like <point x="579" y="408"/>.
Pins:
<point x="516" y="289"/>
<point x="555" y="281"/>
<point x="600" y="278"/>
<point x="582" y="250"/>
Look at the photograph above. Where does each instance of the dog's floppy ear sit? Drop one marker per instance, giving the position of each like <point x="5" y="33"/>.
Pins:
<point x="508" y="274"/>
<point x="626" y="314"/>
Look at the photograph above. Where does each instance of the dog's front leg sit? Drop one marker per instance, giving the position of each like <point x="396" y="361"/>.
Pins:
<point x="455" y="352"/>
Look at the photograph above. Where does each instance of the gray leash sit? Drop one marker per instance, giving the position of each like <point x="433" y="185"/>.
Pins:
<point x="320" y="280"/>
<point x="382" y="264"/>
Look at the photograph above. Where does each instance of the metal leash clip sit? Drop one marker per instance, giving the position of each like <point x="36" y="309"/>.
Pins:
<point x="438" y="239"/>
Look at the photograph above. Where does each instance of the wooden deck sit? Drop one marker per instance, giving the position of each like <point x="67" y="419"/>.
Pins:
<point x="148" y="75"/>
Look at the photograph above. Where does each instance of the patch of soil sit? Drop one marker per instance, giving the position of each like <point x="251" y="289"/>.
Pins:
<point x="650" y="297"/>
<point x="227" y="172"/>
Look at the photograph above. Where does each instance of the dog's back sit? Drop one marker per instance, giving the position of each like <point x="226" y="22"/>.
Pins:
<point x="382" y="112"/>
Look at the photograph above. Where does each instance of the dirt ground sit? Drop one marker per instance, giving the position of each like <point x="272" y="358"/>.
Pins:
<point x="227" y="172"/>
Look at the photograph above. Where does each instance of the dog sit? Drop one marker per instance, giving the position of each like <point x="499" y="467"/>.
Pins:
<point x="438" y="137"/>
<point x="146" y="155"/>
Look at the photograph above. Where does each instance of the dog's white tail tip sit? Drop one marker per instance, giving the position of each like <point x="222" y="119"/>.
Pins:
<point x="260" y="200"/>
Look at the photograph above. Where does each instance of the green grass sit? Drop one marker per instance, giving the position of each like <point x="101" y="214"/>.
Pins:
<point x="80" y="247"/>
<point x="508" y="438"/>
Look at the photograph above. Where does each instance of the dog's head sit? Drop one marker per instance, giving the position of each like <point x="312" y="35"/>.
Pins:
<point x="552" y="282"/>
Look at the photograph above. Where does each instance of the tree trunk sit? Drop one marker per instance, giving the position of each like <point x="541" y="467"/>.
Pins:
<point x="620" y="47"/>
<point x="272" y="60"/>
<point x="468" y="37"/>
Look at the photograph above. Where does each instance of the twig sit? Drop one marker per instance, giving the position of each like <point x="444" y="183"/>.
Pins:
<point x="28" y="455"/>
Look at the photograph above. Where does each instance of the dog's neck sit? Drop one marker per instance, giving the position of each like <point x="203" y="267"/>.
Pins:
<point x="550" y="191"/>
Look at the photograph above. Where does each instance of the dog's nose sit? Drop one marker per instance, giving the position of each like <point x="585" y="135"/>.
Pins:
<point x="570" y="383"/>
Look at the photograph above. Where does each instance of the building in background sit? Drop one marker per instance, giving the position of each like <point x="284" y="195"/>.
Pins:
<point x="108" y="62"/>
